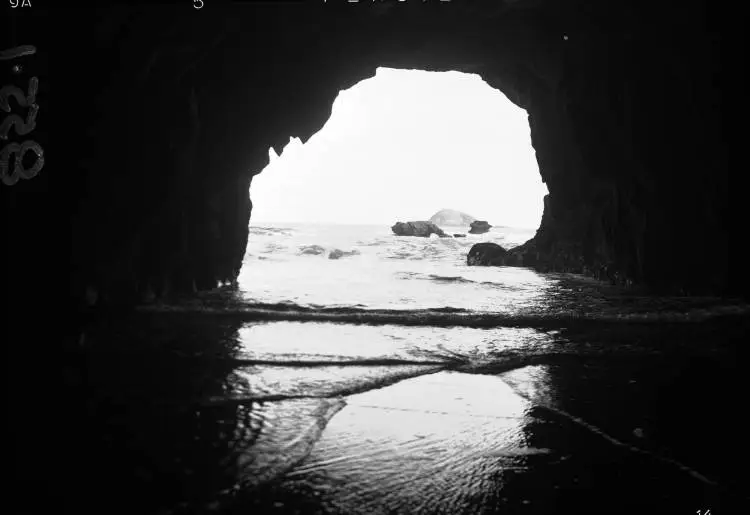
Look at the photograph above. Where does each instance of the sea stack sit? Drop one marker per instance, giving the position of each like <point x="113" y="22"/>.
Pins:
<point x="423" y="229"/>
<point x="479" y="227"/>
<point x="486" y="254"/>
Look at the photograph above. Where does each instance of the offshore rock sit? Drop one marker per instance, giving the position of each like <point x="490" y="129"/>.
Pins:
<point x="423" y="229"/>
<point x="479" y="227"/>
<point x="451" y="217"/>
<point x="315" y="250"/>
<point x="338" y="253"/>
<point x="486" y="254"/>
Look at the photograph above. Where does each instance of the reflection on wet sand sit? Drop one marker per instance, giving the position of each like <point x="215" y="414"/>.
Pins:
<point x="442" y="440"/>
<point x="174" y="419"/>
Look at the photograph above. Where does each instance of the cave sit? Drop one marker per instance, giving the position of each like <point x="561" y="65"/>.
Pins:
<point x="615" y="96"/>
<point x="154" y="120"/>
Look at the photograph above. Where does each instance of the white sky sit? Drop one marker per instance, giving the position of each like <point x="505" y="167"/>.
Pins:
<point x="402" y="145"/>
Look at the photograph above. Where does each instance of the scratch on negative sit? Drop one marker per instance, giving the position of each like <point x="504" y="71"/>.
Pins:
<point x="632" y="448"/>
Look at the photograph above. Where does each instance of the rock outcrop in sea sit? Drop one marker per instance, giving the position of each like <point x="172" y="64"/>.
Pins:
<point x="421" y="228"/>
<point x="451" y="217"/>
<point x="315" y="250"/>
<point x="486" y="254"/>
<point x="338" y="253"/>
<point x="479" y="227"/>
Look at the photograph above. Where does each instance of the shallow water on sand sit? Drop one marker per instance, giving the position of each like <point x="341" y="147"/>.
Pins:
<point x="241" y="416"/>
<point x="399" y="380"/>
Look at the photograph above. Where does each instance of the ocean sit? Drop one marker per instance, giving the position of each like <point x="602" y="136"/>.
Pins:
<point x="300" y="263"/>
<point x="352" y="371"/>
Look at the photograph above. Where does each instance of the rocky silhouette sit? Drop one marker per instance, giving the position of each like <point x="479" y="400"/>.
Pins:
<point x="486" y="254"/>
<point x="479" y="227"/>
<point x="421" y="228"/>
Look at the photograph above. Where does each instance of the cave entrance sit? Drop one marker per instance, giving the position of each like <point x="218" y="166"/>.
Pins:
<point x="399" y="146"/>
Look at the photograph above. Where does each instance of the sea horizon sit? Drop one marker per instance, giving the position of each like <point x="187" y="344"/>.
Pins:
<point x="257" y="223"/>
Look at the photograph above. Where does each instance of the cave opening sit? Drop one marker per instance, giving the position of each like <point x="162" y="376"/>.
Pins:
<point x="404" y="145"/>
<point x="173" y="399"/>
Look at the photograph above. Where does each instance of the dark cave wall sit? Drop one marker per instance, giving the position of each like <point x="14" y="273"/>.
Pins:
<point x="159" y="129"/>
<point x="631" y="149"/>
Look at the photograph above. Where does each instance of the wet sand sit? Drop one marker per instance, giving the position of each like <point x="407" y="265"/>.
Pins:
<point x="172" y="416"/>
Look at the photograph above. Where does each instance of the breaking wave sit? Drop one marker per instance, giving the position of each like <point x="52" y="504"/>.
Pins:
<point x="457" y="279"/>
<point x="270" y="231"/>
<point x="365" y="274"/>
<point x="450" y="316"/>
<point x="329" y="252"/>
